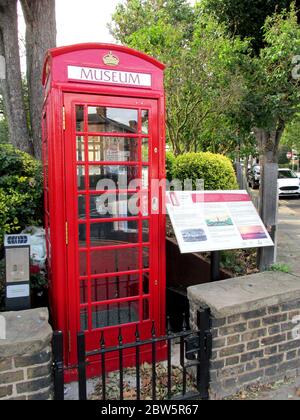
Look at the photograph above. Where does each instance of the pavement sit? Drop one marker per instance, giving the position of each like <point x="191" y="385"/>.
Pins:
<point x="289" y="234"/>
<point x="288" y="253"/>
<point x="288" y="390"/>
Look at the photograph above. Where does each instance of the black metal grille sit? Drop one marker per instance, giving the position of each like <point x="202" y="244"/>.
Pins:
<point x="289" y="188"/>
<point x="195" y="353"/>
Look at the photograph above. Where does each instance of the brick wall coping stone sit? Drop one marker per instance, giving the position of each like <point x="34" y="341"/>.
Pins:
<point x="245" y="294"/>
<point x="26" y="332"/>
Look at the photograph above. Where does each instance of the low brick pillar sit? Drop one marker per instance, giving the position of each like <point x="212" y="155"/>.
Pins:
<point x="25" y="356"/>
<point x="255" y="326"/>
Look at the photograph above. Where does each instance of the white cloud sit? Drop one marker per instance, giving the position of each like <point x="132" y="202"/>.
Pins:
<point x="84" y="20"/>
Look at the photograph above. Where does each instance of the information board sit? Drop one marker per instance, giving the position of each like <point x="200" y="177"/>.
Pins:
<point x="215" y="221"/>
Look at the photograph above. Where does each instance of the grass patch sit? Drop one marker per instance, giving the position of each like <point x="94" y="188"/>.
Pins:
<point x="281" y="268"/>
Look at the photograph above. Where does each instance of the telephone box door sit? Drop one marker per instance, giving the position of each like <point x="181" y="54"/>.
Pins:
<point x="112" y="227"/>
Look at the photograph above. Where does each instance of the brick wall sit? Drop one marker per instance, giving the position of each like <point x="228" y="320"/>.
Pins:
<point x="254" y="347"/>
<point x="25" y="359"/>
<point x="257" y="346"/>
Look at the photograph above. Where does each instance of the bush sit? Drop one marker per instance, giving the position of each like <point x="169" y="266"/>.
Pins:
<point x="3" y="130"/>
<point x="21" y="191"/>
<point x="216" y="170"/>
<point x="170" y="160"/>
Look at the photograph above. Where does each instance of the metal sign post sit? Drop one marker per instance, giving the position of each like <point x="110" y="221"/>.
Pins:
<point x="17" y="259"/>
<point x="215" y="266"/>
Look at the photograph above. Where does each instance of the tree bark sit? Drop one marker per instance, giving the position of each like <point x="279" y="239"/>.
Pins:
<point x="268" y="142"/>
<point x="11" y="87"/>
<point x="40" y="36"/>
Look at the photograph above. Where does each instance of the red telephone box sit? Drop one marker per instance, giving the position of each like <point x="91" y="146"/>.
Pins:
<point x="104" y="150"/>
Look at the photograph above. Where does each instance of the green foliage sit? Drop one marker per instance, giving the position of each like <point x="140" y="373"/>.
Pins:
<point x="38" y="280"/>
<point x="216" y="170"/>
<point x="202" y="79"/>
<point x="245" y="18"/>
<point x="21" y="190"/>
<point x="170" y="160"/>
<point x="273" y="96"/>
<point x="291" y="135"/>
<point x="283" y="151"/>
<point x="281" y="268"/>
<point x="4" y="135"/>
<point x="133" y="15"/>
<point x="240" y="262"/>
<point x="220" y="93"/>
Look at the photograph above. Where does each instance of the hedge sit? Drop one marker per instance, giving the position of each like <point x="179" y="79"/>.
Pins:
<point x="216" y="170"/>
<point x="170" y="160"/>
<point x="21" y="191"/>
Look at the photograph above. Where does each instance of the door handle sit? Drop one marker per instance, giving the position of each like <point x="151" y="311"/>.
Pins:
<point x="155" y="204"/>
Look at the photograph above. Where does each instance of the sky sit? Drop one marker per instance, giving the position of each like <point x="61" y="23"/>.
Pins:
<point x="79" y="21"/>
<point x="82" y="20"/>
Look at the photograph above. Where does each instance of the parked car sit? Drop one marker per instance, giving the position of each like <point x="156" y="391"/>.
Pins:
<point x="254" y="177"/>
<point x="288" y="183"/>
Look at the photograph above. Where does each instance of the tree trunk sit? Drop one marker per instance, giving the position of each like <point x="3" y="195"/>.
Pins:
<point x="40" y="36"/>
<point x="268" y="143"/>
<point x="11" y="87"/>
<point x="246" y="169"/>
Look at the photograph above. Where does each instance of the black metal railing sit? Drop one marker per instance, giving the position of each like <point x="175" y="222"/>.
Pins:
<point x="194" y="358"/>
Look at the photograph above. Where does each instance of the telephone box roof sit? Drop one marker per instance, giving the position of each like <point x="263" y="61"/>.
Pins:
<point x="56" y="52"/>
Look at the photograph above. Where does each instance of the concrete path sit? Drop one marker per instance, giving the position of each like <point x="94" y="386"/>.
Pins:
<point x="289" y="234"/>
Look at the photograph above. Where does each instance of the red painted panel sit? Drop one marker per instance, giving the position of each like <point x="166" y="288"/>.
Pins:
<point x="64" y="256"/>
<point x="91" y="56"/>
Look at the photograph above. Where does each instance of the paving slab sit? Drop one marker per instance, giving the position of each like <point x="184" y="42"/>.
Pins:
<point x="246" y="294"/>
<point x="26" y="331"/>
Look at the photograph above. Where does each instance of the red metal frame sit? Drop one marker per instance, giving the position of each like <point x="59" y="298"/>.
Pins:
<point x="61" y="194"/>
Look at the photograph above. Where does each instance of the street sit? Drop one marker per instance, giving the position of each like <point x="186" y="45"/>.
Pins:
<point x="289" y="234"/>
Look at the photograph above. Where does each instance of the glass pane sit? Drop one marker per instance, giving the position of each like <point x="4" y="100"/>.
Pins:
<point x="82" y="236"/>
<point x="114" y="260"/>
<point x="144" y="204"/>
<point x="112" y="120"/>
<point x="115" y="288"/>
<point x="80" y="118"/>
<point x="80" y="148"/>
<point x="145" y="122"/>
<point x="84" y="319"/>
<point x="146" y="257"/>
<point x="81" y="178"/>
<point x="146" y="310"/>
<point x="146" y="289"/>
<point x="81" y="207"/>
<point x="114" y="205"/>
<point x="115" y="314"/>
<point x="112" y="177"/>
<point x="83" y="292"/>
<point x="145" y="177"/>
<point x="82" y="264"/>
<point x="145" y="150"/>
<point x="114" y="233"/>
<point x="113" y="149"/>
<point x="146" y="231"/>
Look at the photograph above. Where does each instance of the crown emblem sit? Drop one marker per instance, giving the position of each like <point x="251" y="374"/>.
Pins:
<point x="111" y="60"/>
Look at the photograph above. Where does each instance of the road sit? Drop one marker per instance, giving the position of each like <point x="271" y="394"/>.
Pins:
<point x="289" y="234"/>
